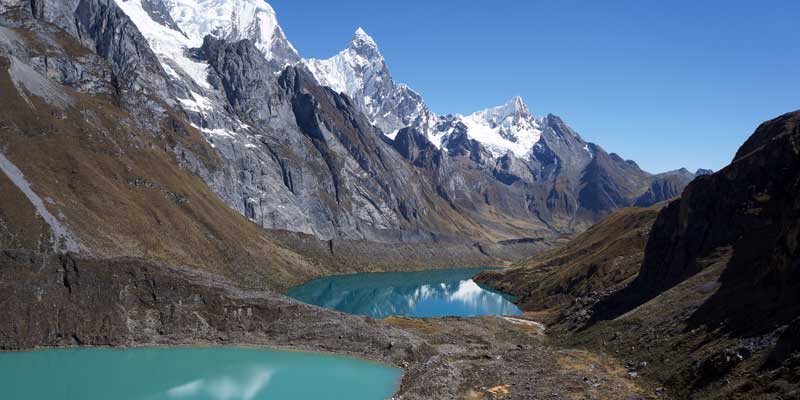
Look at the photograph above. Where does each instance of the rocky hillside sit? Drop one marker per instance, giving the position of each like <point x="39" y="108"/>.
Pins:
<point x="747" y="215"/>
<point x="97" y="158"/>
<point x="668" y="185"/>
<point x="713" y="311"/>
<point x="218" y="87"/>
<point x="731" y="243"/>
<point x="501" y="153"/>
<point x="601" y="260"/>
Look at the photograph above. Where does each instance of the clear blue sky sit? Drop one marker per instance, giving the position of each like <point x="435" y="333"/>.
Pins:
<point x="668" y="84"/>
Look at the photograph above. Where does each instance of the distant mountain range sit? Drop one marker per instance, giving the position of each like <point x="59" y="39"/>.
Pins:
<point x="335" y="148"/>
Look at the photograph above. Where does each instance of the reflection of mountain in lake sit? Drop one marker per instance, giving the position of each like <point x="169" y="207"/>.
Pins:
<point x="413" y="294"/>
<point x="191" y="374"/>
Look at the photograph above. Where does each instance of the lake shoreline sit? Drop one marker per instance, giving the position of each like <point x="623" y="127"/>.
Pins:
<point x="193" y="372"/>
<point x="65" y="302"/>
<point x="419" y="294"/>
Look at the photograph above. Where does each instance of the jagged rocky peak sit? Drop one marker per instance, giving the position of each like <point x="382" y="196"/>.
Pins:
<point x="506" y="128"/>
<point x="354" y="69"/>
<point x="515" y="110"/>
<point x="160" y="13"/>
<point x="360" y="72"/>
<point x="510" y="117"/>
<point x="362" y="42"/>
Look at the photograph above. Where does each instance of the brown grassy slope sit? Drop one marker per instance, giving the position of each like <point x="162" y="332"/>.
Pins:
<point x="605" y="257"/>
<point x="20" y="227"/>
<point x="120" y="190"/>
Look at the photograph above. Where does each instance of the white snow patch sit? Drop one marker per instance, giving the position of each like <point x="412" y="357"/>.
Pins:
<point x="170" y="71"/>
<point x="198" y="103"/>
<point x="231" y="20"/>
<point x="219" y="132"/>
<point x="215" y="132"/>
<point x="509" y="127"/>
<point x="518" y="321"/>
<point x="586" y="148"/>
<point x="167" y="44"/>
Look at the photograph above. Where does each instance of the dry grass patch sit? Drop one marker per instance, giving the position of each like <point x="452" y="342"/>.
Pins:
<point x="413" y="324"/>
<point x="611" y="377"/>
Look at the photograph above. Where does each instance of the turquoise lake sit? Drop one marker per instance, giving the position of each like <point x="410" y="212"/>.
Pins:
<point x="424" y="294"/>
<point x="191" y="373"/>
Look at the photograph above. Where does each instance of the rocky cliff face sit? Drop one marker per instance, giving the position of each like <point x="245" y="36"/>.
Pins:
<point x="706" y="304"/>
<point x="719" y="285"/>
<point x="360" y="72"/>
<point x="750" y="211"/>
<point x="290" y="154"/>
<point x="69" y="301"/>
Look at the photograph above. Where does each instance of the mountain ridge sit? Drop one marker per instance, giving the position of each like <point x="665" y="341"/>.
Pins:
<point x="701" y="293"/>
<point x="312" y="161"/>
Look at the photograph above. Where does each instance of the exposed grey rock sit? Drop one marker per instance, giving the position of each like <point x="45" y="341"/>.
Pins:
<point x="318" y="159"/>
<point x="666" y="186"/>
<point x="702" y="171"/>
<point x="117" y="39"/>
<point x="414" y="146"/>
<point x="28" y="81"/>
<point x="300" y="157"/>
<point x="361" y="73"/>
<point x="62" y="238"/>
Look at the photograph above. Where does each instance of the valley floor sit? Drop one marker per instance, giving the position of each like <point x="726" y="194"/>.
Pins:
<point x="64" y="302"/>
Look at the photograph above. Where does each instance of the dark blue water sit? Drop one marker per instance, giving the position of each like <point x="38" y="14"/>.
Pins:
<point x="191" y="374"/>
<point x="437" y="293"/>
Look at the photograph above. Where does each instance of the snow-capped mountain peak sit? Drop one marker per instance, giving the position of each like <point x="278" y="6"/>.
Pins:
<point x="509" y="127"/>
<point x="234" y="20"/>
<point x="514" y="112"/>
<point x="360" y="72"/>
<point x="189" y="21"/>
<point x="362" y="40"/>
<point x="354" y="68"/>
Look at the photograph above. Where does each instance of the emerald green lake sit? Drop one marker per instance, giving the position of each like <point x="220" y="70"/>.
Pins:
<point x="424" y="294"/>
<point x="191" y="373"/>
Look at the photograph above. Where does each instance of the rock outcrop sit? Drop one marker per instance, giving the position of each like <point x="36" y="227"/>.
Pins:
<point x="719" y="283"/>
<point x="749" y="210"/>
<point x="713" y="310"/>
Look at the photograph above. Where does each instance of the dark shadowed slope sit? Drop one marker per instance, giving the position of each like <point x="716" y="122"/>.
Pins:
<point x="749" y="212"/>
<point x="714" y="311"/>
